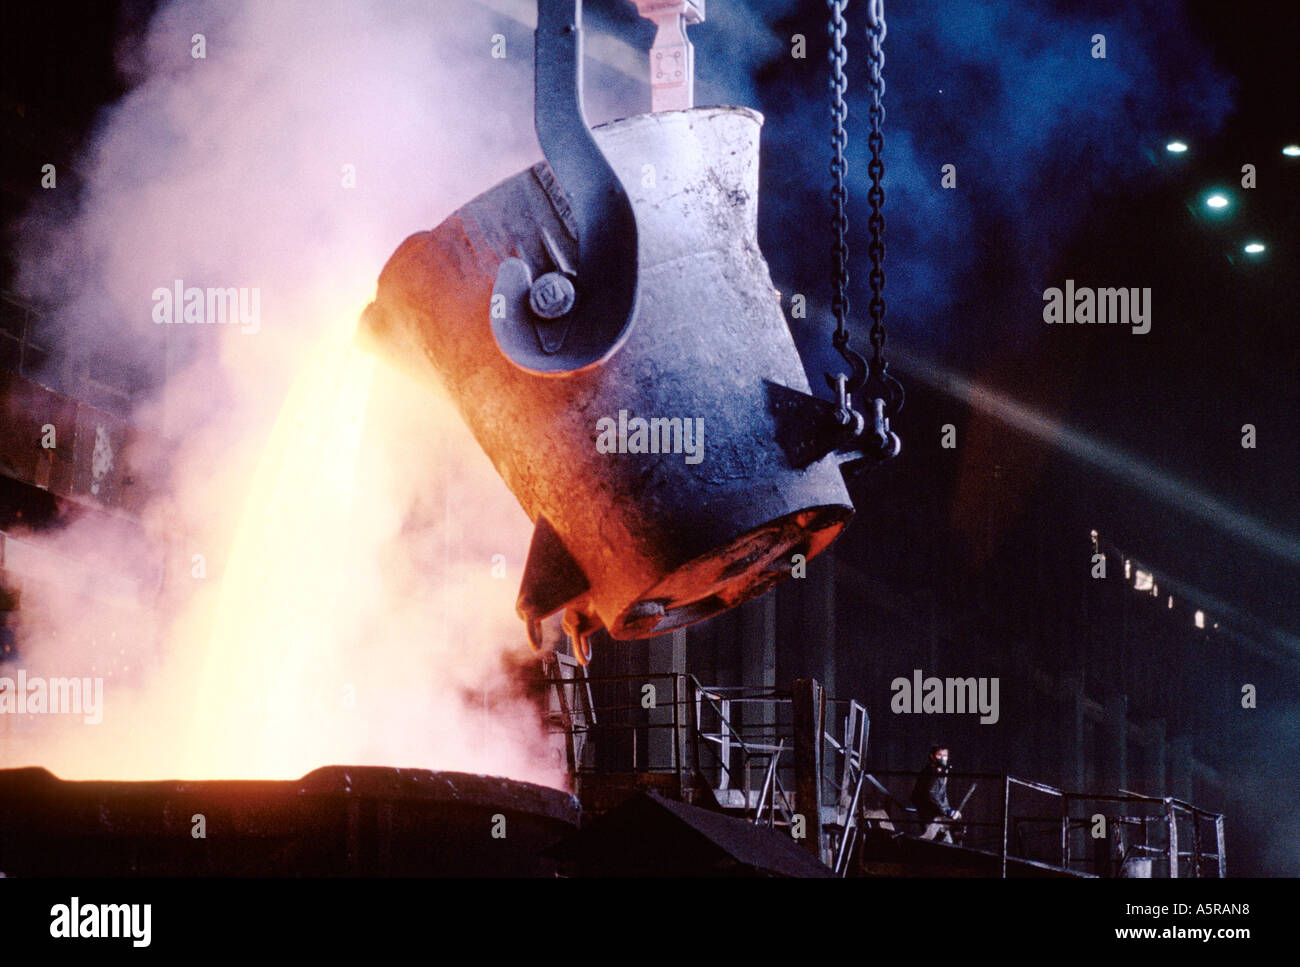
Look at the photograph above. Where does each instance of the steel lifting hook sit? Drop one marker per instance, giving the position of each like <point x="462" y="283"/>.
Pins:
<point x="570" y="316"/>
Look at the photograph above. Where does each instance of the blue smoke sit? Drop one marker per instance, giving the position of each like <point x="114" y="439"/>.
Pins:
<point x="1039" y="130"/>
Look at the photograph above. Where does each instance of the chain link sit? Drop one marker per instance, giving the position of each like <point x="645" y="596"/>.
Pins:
<point x="883" y="391"/>
<point x="839" y="169"/>
<point x="876" y="171"/>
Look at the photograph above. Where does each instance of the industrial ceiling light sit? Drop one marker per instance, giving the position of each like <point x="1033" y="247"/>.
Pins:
<point x="1176" y="147"/>
<point x="1216" y="201"/>
<point x="1292" y="151"/>
<point x="1253" y="248"/>
<point x="610" y="333"/>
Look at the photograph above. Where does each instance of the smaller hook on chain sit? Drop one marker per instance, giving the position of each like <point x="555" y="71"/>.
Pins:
<point x="858" y="369"/>
<point x="847" y="417"/>
<point x="887" y="398"/>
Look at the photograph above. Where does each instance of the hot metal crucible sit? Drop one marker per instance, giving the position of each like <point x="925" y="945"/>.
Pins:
<point x="654" y="476"/>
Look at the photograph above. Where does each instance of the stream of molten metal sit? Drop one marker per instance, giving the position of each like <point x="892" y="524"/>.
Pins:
<point x="285" y="578"/>
<point x="356" y="607"/>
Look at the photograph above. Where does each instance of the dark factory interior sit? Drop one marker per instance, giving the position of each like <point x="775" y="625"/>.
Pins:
<point x="1078" y="572"/>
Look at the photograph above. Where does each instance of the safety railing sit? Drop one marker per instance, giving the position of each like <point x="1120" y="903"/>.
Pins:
<point x="1022" y="821"/>
<point x="733" y="744"/>
<point x="1150" y="836"/>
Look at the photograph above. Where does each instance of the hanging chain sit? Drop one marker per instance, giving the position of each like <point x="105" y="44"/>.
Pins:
<point x="876" y="170"/>
<point x="839" y="168"/>
<point x="881" y="392"/>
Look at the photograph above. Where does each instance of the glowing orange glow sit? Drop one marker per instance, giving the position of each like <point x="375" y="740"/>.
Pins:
<point x="285" y="579"/>
<point x="312" y="581"/>
<point x="352" y="613"/>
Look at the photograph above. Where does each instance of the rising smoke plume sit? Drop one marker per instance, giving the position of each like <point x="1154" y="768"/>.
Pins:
<point x="340" y="558"/>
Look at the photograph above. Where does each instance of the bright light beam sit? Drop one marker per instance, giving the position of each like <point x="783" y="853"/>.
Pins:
<point x="1132" y="470"/>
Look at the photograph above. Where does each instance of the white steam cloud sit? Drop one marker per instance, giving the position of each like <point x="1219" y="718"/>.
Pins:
<point x="329" y="529"/>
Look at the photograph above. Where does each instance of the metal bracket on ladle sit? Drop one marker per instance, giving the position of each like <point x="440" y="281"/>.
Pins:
<point x="568" y="320"/>
<point x="809" y="428"/>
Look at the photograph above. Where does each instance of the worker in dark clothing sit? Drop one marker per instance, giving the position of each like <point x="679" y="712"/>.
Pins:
<point x="930" y="797"/>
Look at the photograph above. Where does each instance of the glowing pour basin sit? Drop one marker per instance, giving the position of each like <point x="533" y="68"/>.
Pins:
<point x="630" y="534"/>
<point x="335" y="821"/>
